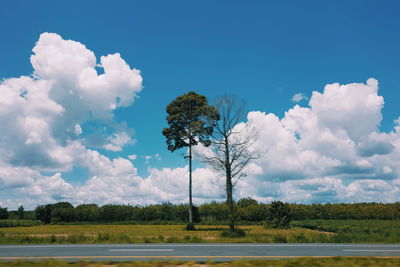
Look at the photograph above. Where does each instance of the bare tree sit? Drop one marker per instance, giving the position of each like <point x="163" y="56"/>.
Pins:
<point x="231" y="147"/>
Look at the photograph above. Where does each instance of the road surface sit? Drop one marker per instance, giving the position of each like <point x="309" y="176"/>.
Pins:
<point x="203" y="252"/>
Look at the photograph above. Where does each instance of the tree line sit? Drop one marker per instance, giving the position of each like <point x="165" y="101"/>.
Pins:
<point x="247" y="211"/>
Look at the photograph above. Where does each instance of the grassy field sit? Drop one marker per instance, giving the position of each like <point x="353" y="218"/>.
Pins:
<point x="348" y="231"/>
<point x="301" y="262"/>
<point x="308" y="231"/>
<point x="150" y="234"/>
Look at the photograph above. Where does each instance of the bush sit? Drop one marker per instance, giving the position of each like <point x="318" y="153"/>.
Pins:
<point x="278" y="216"/>
<point x="238" y="233"/>
<point x="300" y="238"/>
<point x="280" y="239"/>
<point x="3" y="213"/>
<point x="19" y="223"/>
<point x="190" y="227"/>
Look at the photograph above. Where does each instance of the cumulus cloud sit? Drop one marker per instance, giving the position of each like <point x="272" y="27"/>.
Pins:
<point x="44" y="114"/>
<point x="329" y="151"/>
<point x="299" y="97"/>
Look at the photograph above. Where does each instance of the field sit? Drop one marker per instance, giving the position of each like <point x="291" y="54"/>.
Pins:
<point x="301" y="262"/>
<point x="356" y="231"/>
<point x="150" y="234"/>
<point x="306" y="231"/>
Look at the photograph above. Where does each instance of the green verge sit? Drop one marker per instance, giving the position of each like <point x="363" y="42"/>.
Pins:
<point x="307" y="231"/>
<point x="356" y="231"/>
<point x="73" y="234"/>
<point x="300" y="262"/>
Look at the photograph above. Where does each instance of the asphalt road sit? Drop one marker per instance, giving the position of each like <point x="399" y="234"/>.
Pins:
<point x="194" y="251"/>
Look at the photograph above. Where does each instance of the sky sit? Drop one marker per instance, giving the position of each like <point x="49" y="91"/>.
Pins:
<point x="84" y="87"/>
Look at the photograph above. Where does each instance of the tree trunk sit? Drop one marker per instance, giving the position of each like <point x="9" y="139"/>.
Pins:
<point x="229" y="188"/>
<point x="190" y="186"/>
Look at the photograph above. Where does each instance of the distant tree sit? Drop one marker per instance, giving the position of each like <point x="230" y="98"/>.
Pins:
<point x="245" y="202"/>
<point x="3" y="213"/>
<point x="43" y="213"/>
<point x="62" y="212"/>
<point x="231" y="148"/>
<point x="21" y="213"/>
<point x="87" y="212"/>
<point x="279" y="215"/>
<point x="191" y="120"/>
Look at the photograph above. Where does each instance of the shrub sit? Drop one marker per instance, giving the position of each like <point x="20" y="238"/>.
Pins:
<point x="3" y="213"/>
<point x="237" y="233"/>
<point x="172" y="239"/>
<point x="190" y="227"/>
<point x="19" y="223"/>
<point x="278" y="216"/>
<point x="280" y="239"/>
<point x="300" y="238"/>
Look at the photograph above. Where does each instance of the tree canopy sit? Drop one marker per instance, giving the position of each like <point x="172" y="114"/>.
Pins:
<point x="191" y="120"/>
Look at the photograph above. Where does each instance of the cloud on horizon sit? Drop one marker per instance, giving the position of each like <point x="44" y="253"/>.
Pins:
<point x="330" y="151"/>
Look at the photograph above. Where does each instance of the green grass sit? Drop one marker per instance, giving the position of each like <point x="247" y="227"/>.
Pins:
<point x="356" y="231"/>
<point x="300" y="262"/>
<point x="308" y="231"/>
<point x="19" y="223"/>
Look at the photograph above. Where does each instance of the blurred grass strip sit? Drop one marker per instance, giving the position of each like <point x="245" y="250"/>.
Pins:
<point x="300" y="262"/>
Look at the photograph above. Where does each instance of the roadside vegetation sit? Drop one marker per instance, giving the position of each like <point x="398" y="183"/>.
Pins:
<point x="356" y="231"/>
<point x="326" y="262"/>
<point x="62" y="234"/>
<point x="276" y="222"/>
<point x="247" y="211"/>
<point x="309" y="231"/>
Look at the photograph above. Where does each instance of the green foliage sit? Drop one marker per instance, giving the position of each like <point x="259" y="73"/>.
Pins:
<point x="345" y="231"/>
<point x="87" y="212"/>
<point x="248" y="212"/>
<point x="189" y="116"/>
<point x="3" y="213"/>
<point x="62" y="212"/>
<point x="21" y="213"/>
<point x="278" y="216"/>
<point x="19" y="223"/>
<point x="280" y="239"/>
<point x="58" y="212"/>
<point x="237" y="233"/>
<point x="43" y="213"/>
<point x="246" y="202"/>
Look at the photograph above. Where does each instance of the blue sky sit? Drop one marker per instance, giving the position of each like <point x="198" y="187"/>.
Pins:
<point x="264" y="52"/>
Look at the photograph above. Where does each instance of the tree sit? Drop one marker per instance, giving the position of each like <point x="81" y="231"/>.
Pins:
<point x="3" y="213"/>
<point x="191" y="120"/>
<point x="21" y="213"/>
<point x="43" y="213"/>
<point x="231" y="148"/>
<point x="279" y="215"/>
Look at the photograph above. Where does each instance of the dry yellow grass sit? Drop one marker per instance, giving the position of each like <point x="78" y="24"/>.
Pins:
<point x="301" y="262"/>
<point x="151" y="233"/>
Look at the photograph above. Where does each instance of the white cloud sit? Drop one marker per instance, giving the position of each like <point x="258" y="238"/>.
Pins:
<point x="298" y="97"/>
<point x="132" y="157"/>
<point x="117" y="141"/>
<point x="44" y="114"/>
<point x="332" y="150"/>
